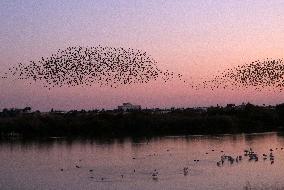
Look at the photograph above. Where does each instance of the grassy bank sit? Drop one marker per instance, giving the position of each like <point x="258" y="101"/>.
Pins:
<point x="214" y="120"/>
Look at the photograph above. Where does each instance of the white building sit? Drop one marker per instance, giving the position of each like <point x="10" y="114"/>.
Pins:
<point x="128" y="107"/>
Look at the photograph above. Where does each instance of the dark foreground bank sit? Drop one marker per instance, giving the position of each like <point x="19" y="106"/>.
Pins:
<point x="214" y="120"/>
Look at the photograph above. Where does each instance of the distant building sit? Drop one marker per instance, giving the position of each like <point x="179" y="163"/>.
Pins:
<point x="128" y="107"/>
<point x="231" y="105"/>
<point x="57" y="111"/>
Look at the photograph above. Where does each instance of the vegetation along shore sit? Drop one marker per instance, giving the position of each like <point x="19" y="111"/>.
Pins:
<point x="246" y="118"/>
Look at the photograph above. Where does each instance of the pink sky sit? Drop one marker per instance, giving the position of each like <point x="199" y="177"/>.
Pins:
<point x="194" y="38"/>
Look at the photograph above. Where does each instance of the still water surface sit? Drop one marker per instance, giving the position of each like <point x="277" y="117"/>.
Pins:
<point x="129" y="164"/>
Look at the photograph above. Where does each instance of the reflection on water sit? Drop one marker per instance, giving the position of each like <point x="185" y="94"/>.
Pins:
<point x="173" y="162"/>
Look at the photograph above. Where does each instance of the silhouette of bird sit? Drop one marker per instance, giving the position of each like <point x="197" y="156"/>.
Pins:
<point x="258" y="74"/>
<point x="105" y="66"/>
<point x="155" y="175"/>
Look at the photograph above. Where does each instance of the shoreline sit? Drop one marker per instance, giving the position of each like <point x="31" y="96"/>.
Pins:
<point x="144" y="123"/>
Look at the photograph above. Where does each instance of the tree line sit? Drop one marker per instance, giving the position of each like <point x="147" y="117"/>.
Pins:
<point x="246" y="118"/>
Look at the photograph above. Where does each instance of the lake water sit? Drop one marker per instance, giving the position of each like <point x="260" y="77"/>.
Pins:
<point x="128" y="164"/>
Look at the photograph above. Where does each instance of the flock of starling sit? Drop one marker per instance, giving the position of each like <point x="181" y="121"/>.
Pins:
<point x="110" y="66"/>
<point x="258" y="75"/>
<point x="105" y="66"/>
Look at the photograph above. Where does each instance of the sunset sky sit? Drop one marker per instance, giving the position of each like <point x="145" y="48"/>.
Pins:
<point x="194" y="38"/>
